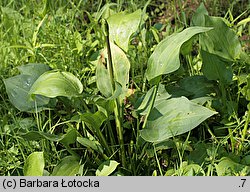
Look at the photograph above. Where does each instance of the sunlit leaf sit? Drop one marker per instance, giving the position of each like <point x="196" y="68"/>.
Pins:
<point x="34" y="164"/>
<point x="53" y="84"/>
<point x="222" y="40"/>
<point x="165" y="58"/>
<point x="193" y="170"/>
<point x="121" y="67"/>
<point x="173" y="117"/>
<point x="122" y="26"/>
<point x="103" y="80"/>
<point x="106" y="168"/>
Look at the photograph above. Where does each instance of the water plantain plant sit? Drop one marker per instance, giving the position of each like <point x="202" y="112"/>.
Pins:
<point x="123" y="121"/>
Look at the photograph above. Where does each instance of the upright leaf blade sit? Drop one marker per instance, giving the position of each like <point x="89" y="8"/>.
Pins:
<point x="122" y="26"/>
<point x="103" y="80"/>
<point x="34" y="164"/>
<point x="121" y="67"/>
<point x="198" y="18"/>
<point x="165" y="58"/>
<point x="174" y="117"/>
<point x="54" y="84"/>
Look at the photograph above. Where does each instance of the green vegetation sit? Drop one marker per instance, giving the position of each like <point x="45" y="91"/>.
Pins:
<point x="124" y="88"/>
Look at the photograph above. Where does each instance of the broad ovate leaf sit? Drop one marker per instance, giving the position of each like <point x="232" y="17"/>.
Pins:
<point x="56" y="83"/>
<point x="68" y="166"/>
<point x="165" y="58"/>
<point x="18" y="87"/>
<point x="122" y="26"/>
<point x="106" y="168"/>
<point x="222" y="40"/>
<point x="173" y="117"/>
<point x="34" y="164"/>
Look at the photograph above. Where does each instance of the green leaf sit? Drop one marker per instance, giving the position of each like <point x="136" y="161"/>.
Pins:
<point x="95" y="145"/>
<point x="193" y="170"/>
<point x="221" y="41"/>
<point x="216" y="68"/>
<point x="246" y="160"/>
<point x="18" y="87"/>
<point x="198" y="18"/>
<point x="106" y="168"/>
<point x="122" y="26"/>
<point x="68" y="166"/>
<point x="53" y="84"/>
<point x="197" y="86"/>
<point x="37" y="135"/>
<point x="69" y="137"/>
<point x="33" y="69"/>
<point x="95" y="120"/>
<point x="118" y="91"/>
<point x="103" y="80"/>
<point x="246" y="89"/>
<point x="173" y="117"/>
<point x="165" y="58"/>
<point x="121" y="67"/>
<point x="66" y="139"/>
<point x="162" y="94"/>
<point x="199" y="154"/>
<point x="227" y="166"/>
<point x="146" y="101"/>
<point x="34" y="164"/>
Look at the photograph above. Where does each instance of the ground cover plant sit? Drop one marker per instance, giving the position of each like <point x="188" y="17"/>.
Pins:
<point x="124" y="88"/>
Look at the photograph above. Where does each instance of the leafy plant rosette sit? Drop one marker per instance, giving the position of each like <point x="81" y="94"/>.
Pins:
<point x="164" y="116"/>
